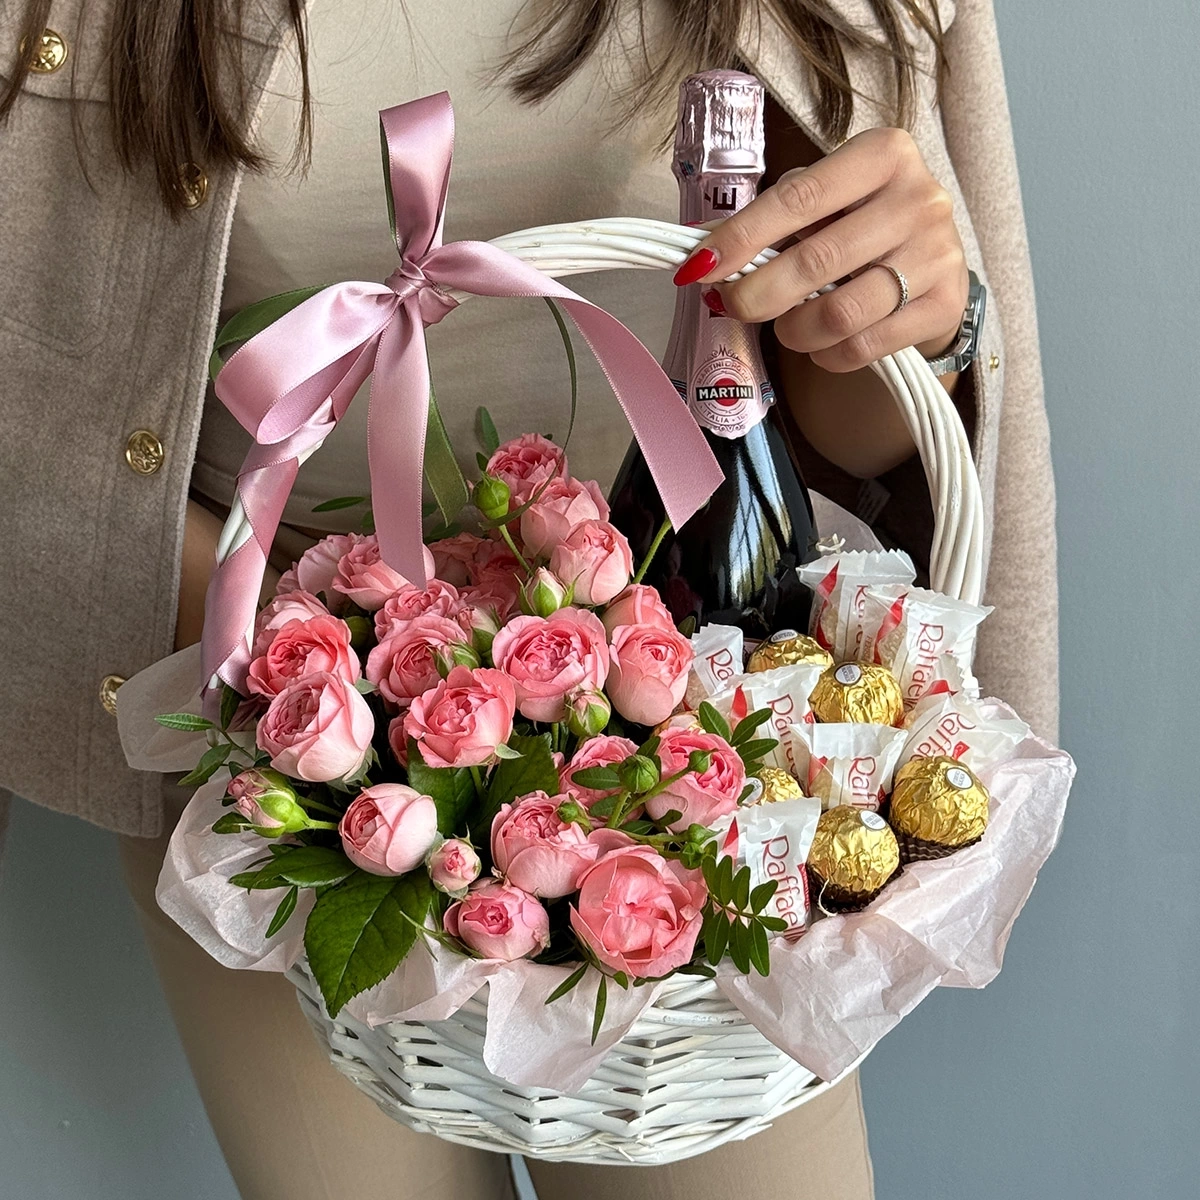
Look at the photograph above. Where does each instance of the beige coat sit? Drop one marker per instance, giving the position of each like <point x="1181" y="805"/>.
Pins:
<point x="107" y="313"/>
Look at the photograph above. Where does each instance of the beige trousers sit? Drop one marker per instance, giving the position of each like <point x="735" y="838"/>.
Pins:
<point x="292" y="1128"/>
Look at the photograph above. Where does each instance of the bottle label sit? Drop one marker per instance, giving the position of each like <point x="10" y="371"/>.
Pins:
<point x="725" y="398"/>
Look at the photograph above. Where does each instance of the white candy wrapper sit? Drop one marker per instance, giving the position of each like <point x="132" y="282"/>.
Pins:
<point x="913" y="629"/>
<point x="957" y="726"/>
<point x="846" y="763"/>
<point x="839" y="583"/>
<point x="785" y="691"/>
<point x="773" y="840"/>
<point x="719" y="653"/>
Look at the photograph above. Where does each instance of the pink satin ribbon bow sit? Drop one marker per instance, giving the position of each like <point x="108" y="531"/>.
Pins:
<point x="290" y="384"/>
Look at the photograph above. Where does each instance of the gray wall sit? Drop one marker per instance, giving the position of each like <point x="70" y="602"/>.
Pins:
<point x="1074" y="1075"/>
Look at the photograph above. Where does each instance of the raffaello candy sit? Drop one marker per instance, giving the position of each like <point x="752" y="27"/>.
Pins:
<point x="847" y="763"/>
<point x="838" y="621"/>
<point x="957" y="726"/>
<point x="785" y="691"/>
<point x="718" y="661"/>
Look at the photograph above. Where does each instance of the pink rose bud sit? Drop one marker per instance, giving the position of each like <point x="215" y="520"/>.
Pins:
<point x="604" y="751"/>
<point x="268" y="802"/>
<point x="588" y="713"/>
<point x="701" y="796"/>
<point x="535" y="849"/>
<point x="639" y="912"/>
<point x="560" y="505"/>
<point x="638" y="604"/>
<point x="318" y="566"/>
<point x="525" y="463"/>
<point x="543" y="594"/>
<point x="388" y="829"/>
<point x="548" y="657"/>
<point x="294" y="605"/>
<point x="461" y="721"/>
<point x="405" y="663"/>
<point x="453" y="866"/>
<point x="491" y="496"/>
<point x="412" y="601"/>
<point x="304" y="647"/>
<point x="649" y="673"/>
<point x="481" y="618"/>
<point x="499" y="921"/>
<point x="365" y="578"/>
<point x="596" y="559"/>
<point x="453" y="558"/>
<point x="317" y="729"/>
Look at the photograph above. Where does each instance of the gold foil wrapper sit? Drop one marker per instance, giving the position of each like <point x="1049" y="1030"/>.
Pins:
<point x="939" y="800"/>
<point x="858" y="691"/>
<point x="785" y="649"/>
<point x="679" y="720"/>
<point x="778" y="784"/>
<point x="854" y="851"/>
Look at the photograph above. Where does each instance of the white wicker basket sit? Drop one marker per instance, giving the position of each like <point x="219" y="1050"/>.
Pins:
<point x="692" y="1073"/>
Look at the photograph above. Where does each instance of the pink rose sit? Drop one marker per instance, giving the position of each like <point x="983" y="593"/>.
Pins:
<point x="306" y="647"/>
<point x="286" y="606"/>
<point x="603" y="751"/>
<point x="366" y="578"/>
<point x="398" y="740"/>
<point x="638" y="604"/>
<point x="499" y="921"/>
<point x="536" y="850"/>
<point x="638" y="912"/>
<point x="412" y="601"/>
<point x="703" y="797"/>
<point x="454" y="558"/>
<point x="318" y="566"/>
<point x="404" y="664"/>
<point x="267" y="800"/>
<point x="596" y="558"/>
<point x="649" y="673"/>
<point x="461" y="721"/>
<point x="560" y="506"/>
<point x="498" y="571"/>
<point x="547" y="657"/>
<point x="388" y="828"/>
<point x="525" y="464"/>
<point x="453" y="866"/>
<point x="317" y="729"/>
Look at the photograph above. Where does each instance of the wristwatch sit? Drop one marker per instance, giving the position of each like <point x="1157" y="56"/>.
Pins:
<point x="962" y="353"/>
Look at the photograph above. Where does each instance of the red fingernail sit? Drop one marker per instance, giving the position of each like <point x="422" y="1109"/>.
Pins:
<point x="713" y="299"/>
<point x="696" y="267"/>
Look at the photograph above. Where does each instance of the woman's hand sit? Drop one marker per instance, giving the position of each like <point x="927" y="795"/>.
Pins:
<point x="872" y="200"/>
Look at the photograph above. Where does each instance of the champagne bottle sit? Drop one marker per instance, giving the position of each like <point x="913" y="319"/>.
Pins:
<point x="735" y="561"/>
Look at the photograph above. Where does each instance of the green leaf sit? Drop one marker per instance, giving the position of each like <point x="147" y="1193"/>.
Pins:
<point x="747" y="725"/>
<point x="340" y="502"/>
<point x="708" y="868"/>
<point x="670" y="817"/>
<point x="712" y="721"/>
<point x="599" y="778"/>
<point x="716" y="937"/>
<point x="739" y="946"/>
<point x="442" y="472"/>
<point x="507" y="752"/>
<point x="304" y="866"/>
<point x="489" y="439"/>
<point x="207" y="767"/>
<point x="287" y="906"/>
<point x="481" y="460"/>
<point x="760" y="951"/>
<point x="231" y="822"/>
<point x="601" y="1002"/>
<point x="229" y="705"/>
<point x="572" y="979"/>
<point x="621" y="980"/>
<point x="687" y="626"/>
<point x="761" y="896"/>
<point x="360" y="931"/>
<point x="741" y="889"/>
<point x="774" y="924"/>
<point x="534" y="771"/>
<point x="252" y="319"/>
<point x="752" y="751"/>
<point x="184" y="722"/>
<point x="697" y="968"/>
<point x="649" y="748"/>
<point x="724" y="878"/>
<point x="452" y="789"/>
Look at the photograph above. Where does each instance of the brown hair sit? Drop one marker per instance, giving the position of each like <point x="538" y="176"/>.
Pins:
<point x="180" y="94"/>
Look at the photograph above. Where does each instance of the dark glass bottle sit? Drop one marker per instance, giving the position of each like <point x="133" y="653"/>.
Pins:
<point x="735" y="561"/>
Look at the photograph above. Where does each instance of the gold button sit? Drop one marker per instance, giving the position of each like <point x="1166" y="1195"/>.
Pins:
<point x="48" y="55"/>
<point x="144" y="452"/>
<point x="994" y="363"/>
<point x="108" y="692"/>
<point x="194" y="184"/>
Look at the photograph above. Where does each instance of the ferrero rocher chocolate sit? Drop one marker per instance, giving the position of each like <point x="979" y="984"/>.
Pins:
<point x="777" y="784"/>
<point x="858" y="691"/>
<point x="853" y="855"/>
<point x="937" y="806"/>
<point x="785" y="649"/>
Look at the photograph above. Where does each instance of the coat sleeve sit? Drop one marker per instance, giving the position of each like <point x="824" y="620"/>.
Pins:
<point x="1018" y="652"/>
